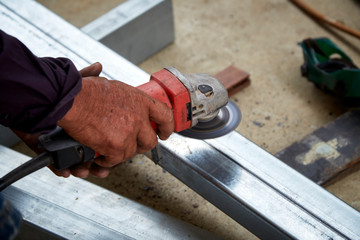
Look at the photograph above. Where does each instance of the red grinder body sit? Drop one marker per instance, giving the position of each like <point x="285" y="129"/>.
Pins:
<point x="167" y="88"/>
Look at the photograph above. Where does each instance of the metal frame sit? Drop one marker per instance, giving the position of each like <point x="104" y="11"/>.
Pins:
<point x="249" y="184"/>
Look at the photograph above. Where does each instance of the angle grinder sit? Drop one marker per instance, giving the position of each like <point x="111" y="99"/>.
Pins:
<point x="199" y="102"/>
<point x="200" y="107"/>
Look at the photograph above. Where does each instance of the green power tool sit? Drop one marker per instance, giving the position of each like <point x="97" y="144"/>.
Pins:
<point x="330" y="69"/>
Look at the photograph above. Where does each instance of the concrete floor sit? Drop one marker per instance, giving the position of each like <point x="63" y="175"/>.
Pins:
<point x="260" y="37"/>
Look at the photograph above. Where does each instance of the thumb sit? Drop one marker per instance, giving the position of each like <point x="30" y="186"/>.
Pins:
<point x="92" y="70"/>
<point x="162" y="115"/>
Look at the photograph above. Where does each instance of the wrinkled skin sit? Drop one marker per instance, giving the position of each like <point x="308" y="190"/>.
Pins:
<point x="113" y="119"/>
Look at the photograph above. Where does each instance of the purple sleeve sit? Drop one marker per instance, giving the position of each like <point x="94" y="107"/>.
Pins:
<point x="34" y="92"/>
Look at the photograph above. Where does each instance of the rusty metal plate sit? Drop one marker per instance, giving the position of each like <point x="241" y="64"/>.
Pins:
<point x="328" y="151"/>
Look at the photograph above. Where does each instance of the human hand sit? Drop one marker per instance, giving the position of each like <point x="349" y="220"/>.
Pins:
<point x="83" y="170"/>
<point x="113" y="119"/>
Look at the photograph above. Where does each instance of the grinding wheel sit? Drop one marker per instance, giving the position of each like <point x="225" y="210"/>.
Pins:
<point x="226" y="121"/>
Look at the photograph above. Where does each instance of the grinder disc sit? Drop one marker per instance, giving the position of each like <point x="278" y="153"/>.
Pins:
<point x="226" y="121"/>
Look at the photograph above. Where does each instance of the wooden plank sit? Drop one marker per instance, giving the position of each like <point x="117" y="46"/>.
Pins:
<point x="234" y="79"/>
<point x="328" y="151"/>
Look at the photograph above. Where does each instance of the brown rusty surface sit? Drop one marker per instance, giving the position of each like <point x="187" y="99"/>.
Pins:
<point x="234" y="79"/>
<point x="347" y="170"/>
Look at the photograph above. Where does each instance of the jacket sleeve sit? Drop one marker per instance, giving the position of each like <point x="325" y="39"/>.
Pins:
<point x="34" y="92"/>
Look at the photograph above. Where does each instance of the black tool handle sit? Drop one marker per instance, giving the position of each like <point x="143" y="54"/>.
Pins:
<point x="64" y="150"/>
<point x="61" y="151"/>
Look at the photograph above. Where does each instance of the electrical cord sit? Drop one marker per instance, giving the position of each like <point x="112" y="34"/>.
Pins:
<point x="25" y="169"/>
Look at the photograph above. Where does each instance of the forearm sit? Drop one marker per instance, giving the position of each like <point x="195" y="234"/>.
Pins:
<point x="35" y="92"/>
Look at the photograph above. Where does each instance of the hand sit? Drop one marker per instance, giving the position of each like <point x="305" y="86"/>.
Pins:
<point x="81" y="170"/>
<point x="113" y="119"/>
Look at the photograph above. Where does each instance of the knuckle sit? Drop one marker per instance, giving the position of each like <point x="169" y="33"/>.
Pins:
<point x="152" y="143"/>
<point x="130" y="152"/>
<point x="113" y="145"/>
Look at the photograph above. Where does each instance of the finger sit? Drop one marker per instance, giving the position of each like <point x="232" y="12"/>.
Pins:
<point x="109" y="161"/>
<point x="81" y="171"/>
<point x="127" y="152"/>
<point x="92" y="70"/>
<point x="146" y="139"/>
<point x="99" y="171"/>
<point x="61" y="173"/>
<point x="162" y="115"/>
<point x="130" y="150"/>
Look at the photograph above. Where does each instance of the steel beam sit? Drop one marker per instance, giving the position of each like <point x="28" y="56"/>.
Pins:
<point x="135" y="29"/>
<point x="249" y="184"/>
<point x="257" y="190"/>
<point x="58" y="208"/>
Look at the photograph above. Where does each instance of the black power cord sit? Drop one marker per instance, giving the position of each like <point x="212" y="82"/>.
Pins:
<point x="25" y="169"/>
<point x="61" y="151"/>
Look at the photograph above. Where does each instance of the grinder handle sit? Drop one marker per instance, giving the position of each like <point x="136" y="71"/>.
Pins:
<point x="154" y="89"/>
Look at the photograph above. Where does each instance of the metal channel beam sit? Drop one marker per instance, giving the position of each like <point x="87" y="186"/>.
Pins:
<point x="73" y="208"/>
<point x="246" y="182"/>
<point x="257" y="190"/>
<point x="135" y="29"/>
